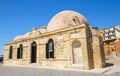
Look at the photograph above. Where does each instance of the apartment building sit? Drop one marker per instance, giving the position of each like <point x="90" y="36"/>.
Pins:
<point x="111" y="33"/>
<point x="111" y="38"/>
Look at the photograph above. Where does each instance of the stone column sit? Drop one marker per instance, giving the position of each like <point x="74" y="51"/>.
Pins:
<point x="29" y="54"/>
<point x="26" y="54"/>
<point x="98" y="52"/>
<point x="6" y="54"/>
<point x="85" y="55"/>
<point x="85" y="50"/>
<point x="14" y="53"/>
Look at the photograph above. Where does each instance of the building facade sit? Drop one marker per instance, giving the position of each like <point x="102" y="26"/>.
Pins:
<point x="111" y="33"/>
<point x="66" y="42"/>
<point x="111" y="38"/>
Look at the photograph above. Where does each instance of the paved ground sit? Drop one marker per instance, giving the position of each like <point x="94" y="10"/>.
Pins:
<point x="112" y="69"/>
<point x="27" y="71"/>
<point x="114" y="66"/>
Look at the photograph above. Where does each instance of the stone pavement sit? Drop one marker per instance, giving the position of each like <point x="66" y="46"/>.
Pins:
<point x="30" y="71"/>
<point x="115" y="68"/>
<point x="112" y="69"/>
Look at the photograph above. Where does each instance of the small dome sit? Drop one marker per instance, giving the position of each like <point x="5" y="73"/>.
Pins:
<point x="34" y="28"/>
<point x="34" y="31"/>
<point x="43" y="30"/>
<point x="43" y="27"/>
<point x="18" y="37"/>
<point x="26" y="35"/>
<point x="66" y="19"/>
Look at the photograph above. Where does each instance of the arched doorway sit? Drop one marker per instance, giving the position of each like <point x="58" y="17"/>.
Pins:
<point x="33" y="52"/>
<point x="77" y="52"/>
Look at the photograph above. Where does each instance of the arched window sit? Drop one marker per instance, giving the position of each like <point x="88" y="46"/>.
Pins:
<point x="33" y="52"/>
<point x="50" y="49"/>
<point x="19" y="52"/>
<point x="76" y="20"/>
<point x="10" y="52"/>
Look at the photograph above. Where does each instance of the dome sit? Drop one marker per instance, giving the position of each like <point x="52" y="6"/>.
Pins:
<point x="43" y="29"/>
<point x="66" y="19"/>
<point x="26" y="35"/>
<point x="18" y="38"/>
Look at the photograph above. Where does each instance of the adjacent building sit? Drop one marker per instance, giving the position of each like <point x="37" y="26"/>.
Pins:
<point x="111" y="38"/>
<point x="111" y="33"/>
<point x="66" y="42"/>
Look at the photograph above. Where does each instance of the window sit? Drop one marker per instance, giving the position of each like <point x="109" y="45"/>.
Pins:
<point x="74" y="21"/>
<point x="50" y="49"/>
<point x="19" y="52"/>
<point x="109" y="37"/>
<point x="33" y="52"/>
<point x="10" y="52"/>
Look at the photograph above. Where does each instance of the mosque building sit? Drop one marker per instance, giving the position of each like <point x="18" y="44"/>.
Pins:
<point x="66" y="42"/>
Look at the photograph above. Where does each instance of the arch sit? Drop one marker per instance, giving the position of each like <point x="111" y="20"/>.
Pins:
<point x="10" y="52"/>
<point x="50" y="49"/>
<point x="33" y="52"/>
<point x="76" y="52"/>
<point x="20" y="52"/>
<point x="76" y="20"/>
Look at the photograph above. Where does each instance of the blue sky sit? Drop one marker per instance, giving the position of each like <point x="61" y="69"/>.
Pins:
<point x="19" y="16"/>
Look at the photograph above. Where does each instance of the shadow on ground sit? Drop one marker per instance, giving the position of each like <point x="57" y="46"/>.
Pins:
<point x="108" y="64"/>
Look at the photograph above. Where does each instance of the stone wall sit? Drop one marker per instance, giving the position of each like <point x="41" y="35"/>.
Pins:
<point x="63" y="49"/>
<point x="117" y="47"/>
<point x="112" y="49"/>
